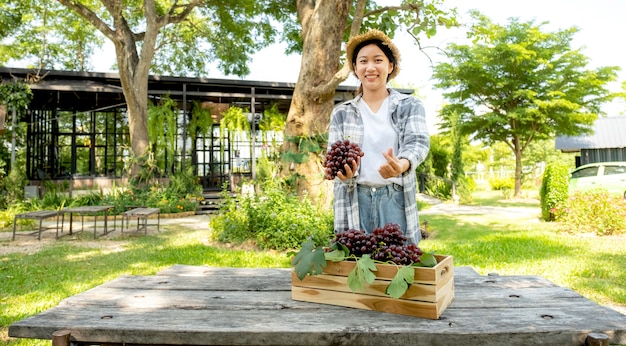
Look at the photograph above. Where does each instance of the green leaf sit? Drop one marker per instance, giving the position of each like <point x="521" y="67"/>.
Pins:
<point x="309" y="260"/>
<point x="428" y="260"/>
<point x="340" y="247"/>
<point x="362" y="273"/>
<point x="400" y="282"/>
<point x="335" y="255"/>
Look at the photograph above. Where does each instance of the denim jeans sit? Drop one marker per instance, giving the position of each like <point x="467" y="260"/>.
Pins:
<point x="379" y="206"/>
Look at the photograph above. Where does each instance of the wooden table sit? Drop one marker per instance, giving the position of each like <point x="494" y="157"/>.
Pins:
<point x="93" y="210"/>
<point x="39" y="215"/>
<point x="192" y="305"/>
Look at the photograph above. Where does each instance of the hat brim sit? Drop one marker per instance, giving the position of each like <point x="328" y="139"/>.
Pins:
<point x="373" y="35"/>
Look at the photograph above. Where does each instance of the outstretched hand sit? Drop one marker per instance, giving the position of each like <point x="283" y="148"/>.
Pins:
<point x="394" y="166"/>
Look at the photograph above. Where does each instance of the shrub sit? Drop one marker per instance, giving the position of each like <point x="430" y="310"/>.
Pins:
<point x="7" y="216"/>
<point x="273" y="219"/>
<point x="90" y="198"/>
<point x="181" y="195"/>
<point x="234" y="222"/>
<point x="500" y="184"/>
<point x="592" y="211"/>
<point x="184" y="183"/>
<point x="464" y="189"/>
<point x="12" y="187"/>
<point x="435" y="186"/>
<point x="553" y="190"/>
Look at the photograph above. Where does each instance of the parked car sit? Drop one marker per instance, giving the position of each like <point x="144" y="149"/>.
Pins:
<point x="610" y="176"/>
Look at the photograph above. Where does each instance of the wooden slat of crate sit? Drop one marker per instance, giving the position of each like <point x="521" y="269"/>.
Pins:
<point x="427" y="298"/>
<point x="432" y="275"/>
<point x="431" y="310"/>
<point x="417" y="291"/>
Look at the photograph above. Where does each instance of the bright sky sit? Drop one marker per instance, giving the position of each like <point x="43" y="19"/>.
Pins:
<point x="602" y="26"/>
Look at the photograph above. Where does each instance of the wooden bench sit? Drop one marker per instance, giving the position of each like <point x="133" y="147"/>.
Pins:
<point x="37" y="215"/>
<point x="92" y="210"/>
<point x="142" y="215"/>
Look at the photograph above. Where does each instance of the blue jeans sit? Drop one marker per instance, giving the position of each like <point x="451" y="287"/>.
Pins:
<point x="379" y="206"/>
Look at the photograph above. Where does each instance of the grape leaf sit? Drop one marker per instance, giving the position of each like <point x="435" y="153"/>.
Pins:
<point x="340" y="247"/>
<point x="335" y="256"/>
<point x="428" y="260"/>
<point x="362" y="273"/>
<point x="400" y="282"/>
<point x="309" y="260"/>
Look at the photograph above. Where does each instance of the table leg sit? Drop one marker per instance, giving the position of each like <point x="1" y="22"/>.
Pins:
<point x="62" y="221"/>
<point x="39" y="233"/>
<point x="14" y="224"/>
<point x="71" y="221"/>
<point x="61" y="338"/>
<point x="95" y="223"/>
<point x="106" y="220"/>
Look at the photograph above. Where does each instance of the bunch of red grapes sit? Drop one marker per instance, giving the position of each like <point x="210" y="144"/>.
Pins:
<point x="341" y="152"/>
<point x="383" y="244"/>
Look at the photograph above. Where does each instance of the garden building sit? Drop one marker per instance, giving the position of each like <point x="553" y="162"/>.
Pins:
<point x="77" y="129"/>
<point x="607" y="142"/>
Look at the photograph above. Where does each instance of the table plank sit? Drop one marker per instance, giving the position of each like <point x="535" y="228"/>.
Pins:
<point x="320" y="325"/>
<point x="228" y="306"/>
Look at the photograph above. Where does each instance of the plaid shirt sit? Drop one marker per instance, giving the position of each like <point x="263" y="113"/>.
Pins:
<point x="408" y="119"/>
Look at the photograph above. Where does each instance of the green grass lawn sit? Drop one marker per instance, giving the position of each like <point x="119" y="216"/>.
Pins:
<point x="593" y="266"/>
<point x="528" y="198"/>
<point x="31" y="283"/>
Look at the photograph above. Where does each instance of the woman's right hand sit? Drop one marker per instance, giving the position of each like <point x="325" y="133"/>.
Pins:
<point x="350" y="170"/>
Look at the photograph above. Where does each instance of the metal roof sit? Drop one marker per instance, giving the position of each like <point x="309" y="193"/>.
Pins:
<point x="609" y="132"/>
<point x="86" y="91"/>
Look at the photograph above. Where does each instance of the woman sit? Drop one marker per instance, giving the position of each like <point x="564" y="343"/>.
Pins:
<point x="390" y="127"/>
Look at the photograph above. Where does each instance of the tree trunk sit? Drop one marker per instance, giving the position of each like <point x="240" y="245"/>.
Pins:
<point x="518" y="166"/>
<point x="323" y="27"/>
<point x="136" y="100"/>
<point x="134" y="66"/>
<point x="134" y="69"/>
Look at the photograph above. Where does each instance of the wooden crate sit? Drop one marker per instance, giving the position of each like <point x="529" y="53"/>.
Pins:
<point x="428" y="296"/>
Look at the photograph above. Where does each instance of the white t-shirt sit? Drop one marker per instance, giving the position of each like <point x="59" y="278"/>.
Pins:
<point x="379" y="137"/>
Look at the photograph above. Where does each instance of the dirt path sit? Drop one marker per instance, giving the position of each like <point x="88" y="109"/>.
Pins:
<point x="25" y="243"/>
<point x="437" y="207"/>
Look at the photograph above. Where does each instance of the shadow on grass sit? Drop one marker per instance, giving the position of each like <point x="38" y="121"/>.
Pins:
<point x="34" y="283"/>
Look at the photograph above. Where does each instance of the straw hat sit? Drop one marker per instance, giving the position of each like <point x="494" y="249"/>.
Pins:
<point x="378" y="36"/>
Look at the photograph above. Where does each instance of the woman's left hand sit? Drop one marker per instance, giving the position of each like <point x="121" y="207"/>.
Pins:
<point x="394" y="166"/>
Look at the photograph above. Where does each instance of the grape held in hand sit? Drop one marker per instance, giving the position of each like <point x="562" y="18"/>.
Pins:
<point x="341" y="152"/>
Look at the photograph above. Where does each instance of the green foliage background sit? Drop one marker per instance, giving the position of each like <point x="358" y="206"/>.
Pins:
<point x="272" y="219"/>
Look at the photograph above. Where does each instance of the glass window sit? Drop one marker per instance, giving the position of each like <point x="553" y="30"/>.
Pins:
<point x="585" y="172"/>
<point x="614" y="169"/>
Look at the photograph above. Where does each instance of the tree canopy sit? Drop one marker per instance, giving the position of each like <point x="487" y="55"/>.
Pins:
<point x="44" y="35"/>
<point x="182" y="37"/>
<point x="516" y="84"/>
